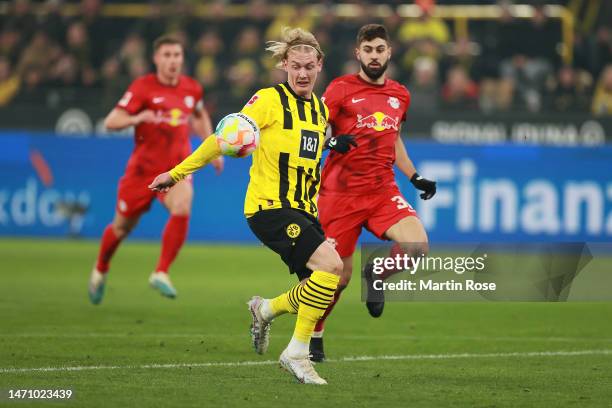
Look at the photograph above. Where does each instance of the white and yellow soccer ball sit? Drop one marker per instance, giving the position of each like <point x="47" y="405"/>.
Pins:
<point x="237" y="135"/>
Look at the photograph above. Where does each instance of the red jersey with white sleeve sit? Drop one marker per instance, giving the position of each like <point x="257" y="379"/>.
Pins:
<point x="162" y="144"/>
<point x="373" y="114"/>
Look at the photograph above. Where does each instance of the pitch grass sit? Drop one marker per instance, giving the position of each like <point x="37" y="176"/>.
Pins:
<point x="47" y="321"/>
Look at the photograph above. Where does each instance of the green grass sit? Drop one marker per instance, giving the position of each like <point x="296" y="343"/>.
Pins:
<point x="47" y="321"/>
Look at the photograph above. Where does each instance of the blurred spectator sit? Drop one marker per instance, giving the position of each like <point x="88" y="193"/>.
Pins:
<point x="242" y="77"/>
<point x="79" y="49"/>
<point x="526" y="77"/>
<point x="154" y="24"/>
<point x="536" y="38"/>
<point x="41" y="53"/>
<point x="208" y="62"/>
<point x="423" y="37"/>
<point x="9" y="82"/>
<point x="259" y="14"/>
<point x="592" y="39"/>
<point x="133" y="48"/>
<point x="137" y="68"/>
<point x="10" y="44"/>
<point x="52" y="22"/>
<point x="602" y="101"/>
<point x="113" y="82"/>
<point x="496" y="95"/>
<point x="248" y="43"/>
<point x="502" y="67"/>
<point x="568" y="92"/>
<point x="298" y="17"/>
<point x="425" y="27"/>
<point x="459" y="92"/>
<point x="96" y="27"/>
<point x="22" y="18"/>
<point x="464" y="53"/>
<point x="31" y="90"/>
<point x="424" y="87"/>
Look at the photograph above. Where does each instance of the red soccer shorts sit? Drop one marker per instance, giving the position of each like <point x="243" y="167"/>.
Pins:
<point x="134" y="197"/>
<point x="343" y="216"/>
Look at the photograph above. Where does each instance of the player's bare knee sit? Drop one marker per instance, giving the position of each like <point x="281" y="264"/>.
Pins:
<point x="122" y="230"/>
<point x="180" y="207"/>
<point x="326" y="259"/>
<point x="183" y="211"/>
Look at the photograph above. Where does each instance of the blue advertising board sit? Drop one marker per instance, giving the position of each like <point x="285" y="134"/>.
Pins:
<point x="57" y="186"/>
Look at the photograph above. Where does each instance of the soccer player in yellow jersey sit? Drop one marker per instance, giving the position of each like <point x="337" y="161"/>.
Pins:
<point x="280" y="203"/>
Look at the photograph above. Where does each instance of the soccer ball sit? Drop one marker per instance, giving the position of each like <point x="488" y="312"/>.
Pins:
<point x="237" y="135"/>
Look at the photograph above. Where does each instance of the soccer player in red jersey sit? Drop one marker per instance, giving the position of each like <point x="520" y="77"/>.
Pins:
<point x="358" y="187"/>
<point x="160" y="106"/>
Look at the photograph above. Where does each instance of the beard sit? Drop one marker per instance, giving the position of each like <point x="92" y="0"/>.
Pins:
<point x="374" y="73"/>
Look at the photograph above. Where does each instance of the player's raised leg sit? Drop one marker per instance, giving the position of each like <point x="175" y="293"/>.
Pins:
<point x="178" y="202"/>
<point x="112" y="236"/>
<point x="410" y="238"/>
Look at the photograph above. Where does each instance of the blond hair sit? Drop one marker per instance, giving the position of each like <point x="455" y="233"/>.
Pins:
<point x="293" y="39"/>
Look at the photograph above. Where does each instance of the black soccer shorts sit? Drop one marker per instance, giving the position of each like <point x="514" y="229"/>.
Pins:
<point x="293" y="234"/>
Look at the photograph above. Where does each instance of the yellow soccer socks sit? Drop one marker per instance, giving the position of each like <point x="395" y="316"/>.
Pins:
<point x="288" y="302"/>
<point x="314" y="297"/>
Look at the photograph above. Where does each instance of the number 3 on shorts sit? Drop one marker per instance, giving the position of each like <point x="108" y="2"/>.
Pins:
<point x="400" y="202"/>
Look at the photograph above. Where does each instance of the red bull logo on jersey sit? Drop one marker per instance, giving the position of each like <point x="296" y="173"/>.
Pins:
<point x="378" y="121"/>
<point x="174" y="117"/>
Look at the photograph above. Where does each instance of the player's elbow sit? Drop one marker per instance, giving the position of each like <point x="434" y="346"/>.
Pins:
<point x="117" y="120"/>
<point x="110" y="123"/>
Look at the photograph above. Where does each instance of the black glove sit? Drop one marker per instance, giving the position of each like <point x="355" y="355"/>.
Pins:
<point x="341" y="143"/>
<point x="420" y="183"/>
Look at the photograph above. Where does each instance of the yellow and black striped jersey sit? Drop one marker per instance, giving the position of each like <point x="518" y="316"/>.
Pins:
<point x="286" y="169"/>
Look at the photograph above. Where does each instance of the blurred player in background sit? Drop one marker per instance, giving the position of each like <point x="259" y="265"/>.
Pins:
<point x="358" y="187"/>
<point x="159" y="106"/>
<point x="280" y="203"/>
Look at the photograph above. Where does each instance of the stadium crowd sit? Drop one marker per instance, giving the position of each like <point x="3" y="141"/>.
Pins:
<point x="48" y="57"/>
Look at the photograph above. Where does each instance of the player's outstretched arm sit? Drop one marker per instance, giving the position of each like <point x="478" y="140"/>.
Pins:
<point x="119" y="119"/>
<point x="202" y="125"/>
<point x="208" y="151"/>
<point x="403" y="162"/>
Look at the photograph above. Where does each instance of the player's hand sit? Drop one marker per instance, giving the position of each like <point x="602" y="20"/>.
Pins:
<point x="420" y="183"/>
<point x="218" y="164"/>
<point x="146" y="115"/>
<point x="162" y="183"/>
<point x="341" y="143"/>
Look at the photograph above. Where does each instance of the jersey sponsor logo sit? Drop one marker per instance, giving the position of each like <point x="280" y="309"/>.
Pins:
<point x="293" y="230"/>
<point x="125" y="99"/>
<point x="158" y="99"/>
<point x="377" y="121"/>
<point x="174" y="117"/>
<point x="309" y="145"/>
<point x="189" y="101"/>
<point x="252" y="100"/>
<point x="393" y="102"/>
<point x="357" y="100"/>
